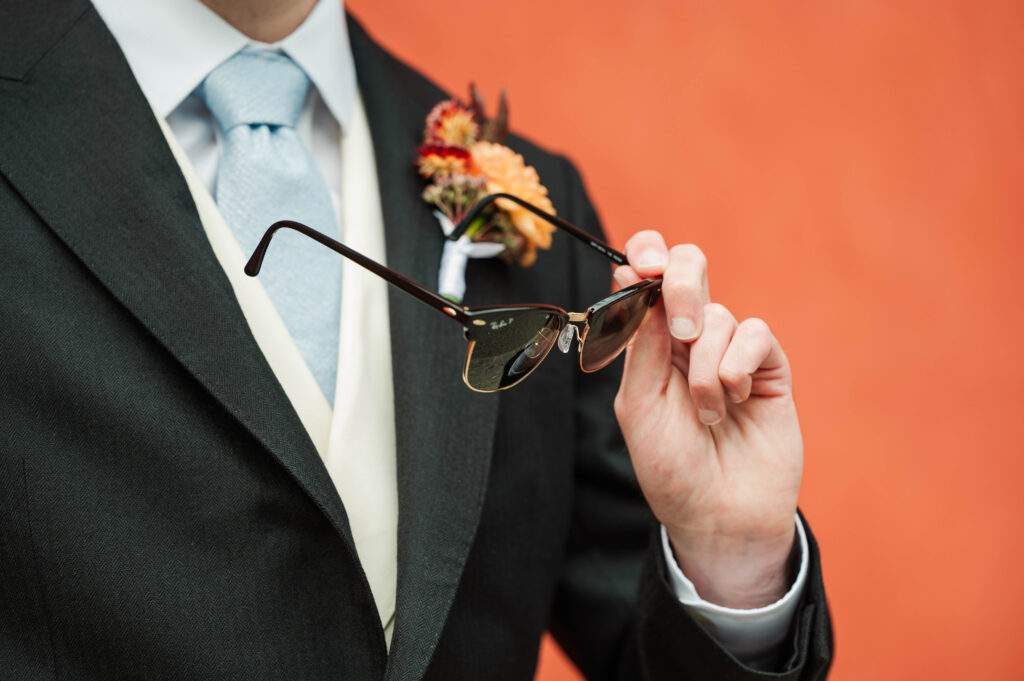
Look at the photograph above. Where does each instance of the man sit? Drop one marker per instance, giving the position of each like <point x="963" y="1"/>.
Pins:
<point x="182" y="497"/>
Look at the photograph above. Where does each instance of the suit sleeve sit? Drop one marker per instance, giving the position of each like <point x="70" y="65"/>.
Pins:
<point x="615" y="613"/>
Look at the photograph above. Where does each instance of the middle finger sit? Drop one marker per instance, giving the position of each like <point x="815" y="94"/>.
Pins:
<point x="706" y="354"/>
<point x="685" y="290"/>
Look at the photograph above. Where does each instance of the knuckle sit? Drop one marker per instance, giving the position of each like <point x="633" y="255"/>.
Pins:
<point x="716" y="312"/>
<point x="691" y="254"/>
<point x="731" y="376"/>
<point x="620" y="405"/>
<point x="703" y="384"/>
<point x="679" y="289"/>
<point x="757" y="328"/>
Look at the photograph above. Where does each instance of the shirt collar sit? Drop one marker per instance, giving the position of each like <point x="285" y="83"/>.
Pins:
<point x="171" y="45"/>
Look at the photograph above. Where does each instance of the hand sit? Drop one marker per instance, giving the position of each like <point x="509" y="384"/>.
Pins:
<point x="706" y="408"/>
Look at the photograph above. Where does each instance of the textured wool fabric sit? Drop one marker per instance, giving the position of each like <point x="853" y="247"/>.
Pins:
<point x="266" y="174"/>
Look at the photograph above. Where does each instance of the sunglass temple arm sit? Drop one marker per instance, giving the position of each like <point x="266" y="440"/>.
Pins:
<point x="435" y="300"/>
<point x="598" y="245"/>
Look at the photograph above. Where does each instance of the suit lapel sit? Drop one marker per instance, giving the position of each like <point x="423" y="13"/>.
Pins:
<point x="444" y="431"/>
<point x="83" y="148"/>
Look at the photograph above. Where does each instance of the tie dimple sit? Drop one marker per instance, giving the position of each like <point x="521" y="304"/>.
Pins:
<point x="266" y="174"/>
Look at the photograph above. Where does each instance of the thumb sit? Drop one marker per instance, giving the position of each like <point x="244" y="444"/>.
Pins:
<point x="648" y="366"/>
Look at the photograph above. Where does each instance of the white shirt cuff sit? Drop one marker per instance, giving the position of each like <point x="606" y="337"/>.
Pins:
<point x="752" y="636"/>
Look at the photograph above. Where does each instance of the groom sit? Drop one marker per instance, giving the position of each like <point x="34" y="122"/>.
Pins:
<point x="187" y="492"/>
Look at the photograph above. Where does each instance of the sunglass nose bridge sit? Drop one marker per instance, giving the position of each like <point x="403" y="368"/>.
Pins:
<point x="565" y="338"/>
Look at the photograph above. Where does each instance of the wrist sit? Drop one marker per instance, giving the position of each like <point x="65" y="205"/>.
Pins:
<point x="740" y="573"/>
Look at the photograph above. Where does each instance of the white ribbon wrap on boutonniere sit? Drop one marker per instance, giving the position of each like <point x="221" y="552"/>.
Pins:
<point x="463" y="161"/>
<point x="451" y="277"/>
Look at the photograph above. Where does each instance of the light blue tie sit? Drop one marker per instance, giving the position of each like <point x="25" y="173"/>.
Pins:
<point x="266" y="174"/>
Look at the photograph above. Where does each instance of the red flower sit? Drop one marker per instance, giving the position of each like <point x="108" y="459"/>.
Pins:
<point x="443" y="159"/>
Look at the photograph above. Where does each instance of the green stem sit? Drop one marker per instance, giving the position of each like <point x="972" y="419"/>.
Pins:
<point x="475" y="226"/>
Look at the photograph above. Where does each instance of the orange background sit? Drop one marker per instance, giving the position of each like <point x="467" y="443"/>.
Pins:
<point x="853" y="172"/>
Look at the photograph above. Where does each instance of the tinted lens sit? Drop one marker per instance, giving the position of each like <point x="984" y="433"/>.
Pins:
<point x="611" y="327"/>
<point x="508" y="345"/>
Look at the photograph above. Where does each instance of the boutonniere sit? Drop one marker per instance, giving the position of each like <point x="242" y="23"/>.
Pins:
<point x="463" y="159"/>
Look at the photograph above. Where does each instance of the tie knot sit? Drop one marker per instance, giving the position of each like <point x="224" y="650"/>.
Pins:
<point x="255" y="87"/>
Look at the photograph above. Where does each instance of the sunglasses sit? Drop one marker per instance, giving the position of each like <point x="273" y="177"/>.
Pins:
<point x="506" y="343"/>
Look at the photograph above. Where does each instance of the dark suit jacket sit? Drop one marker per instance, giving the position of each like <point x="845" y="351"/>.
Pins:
<point x="163" y="514"/>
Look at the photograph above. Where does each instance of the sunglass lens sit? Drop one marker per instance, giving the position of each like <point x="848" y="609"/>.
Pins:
<point x="508" y="345"/>
<point x="612" y="325"/>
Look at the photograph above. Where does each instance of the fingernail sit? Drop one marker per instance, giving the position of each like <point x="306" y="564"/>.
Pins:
<point x="683" y="328"/>
<point x="620" y="280"/>
<point x="735" y="398"/>
<point x="651" y="260"/>
<point x="708" y="417"/>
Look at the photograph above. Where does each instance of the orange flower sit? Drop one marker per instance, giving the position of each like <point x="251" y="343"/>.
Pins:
<point x="507" y="173"/>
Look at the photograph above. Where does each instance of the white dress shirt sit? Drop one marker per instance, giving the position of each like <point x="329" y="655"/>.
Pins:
<point x="171" y="45"/>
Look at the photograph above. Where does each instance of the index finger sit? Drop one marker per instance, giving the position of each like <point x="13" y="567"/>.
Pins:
<point x="647" y="253"/>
